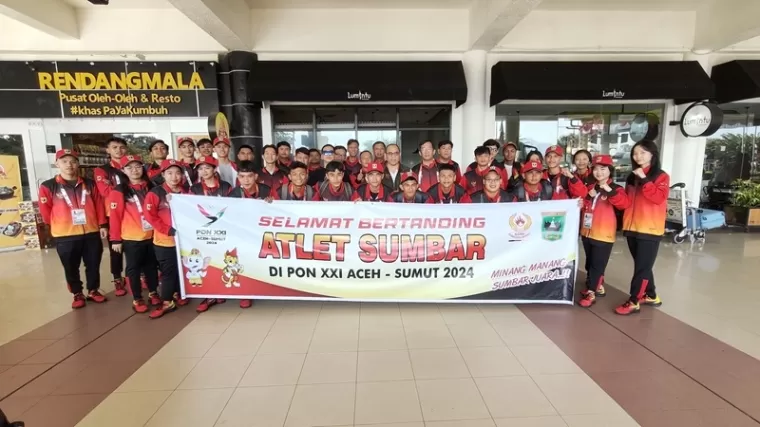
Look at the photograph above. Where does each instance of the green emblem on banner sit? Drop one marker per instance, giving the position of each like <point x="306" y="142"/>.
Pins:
<point x="552" y="225"/>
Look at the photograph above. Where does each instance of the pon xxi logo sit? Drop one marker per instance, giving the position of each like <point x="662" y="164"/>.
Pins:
<point x="211" y="217"/>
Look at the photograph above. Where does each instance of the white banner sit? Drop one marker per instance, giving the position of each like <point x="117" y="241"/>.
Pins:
<point x="510" y="252"/>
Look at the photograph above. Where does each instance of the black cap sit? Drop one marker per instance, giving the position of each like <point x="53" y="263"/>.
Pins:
<point x="157" y="141"/>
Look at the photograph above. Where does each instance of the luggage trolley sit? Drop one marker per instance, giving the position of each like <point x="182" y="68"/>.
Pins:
<point x="685" y="220"/>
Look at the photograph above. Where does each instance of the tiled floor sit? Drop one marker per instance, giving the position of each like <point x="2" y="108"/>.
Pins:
<point x="694" y="362"/>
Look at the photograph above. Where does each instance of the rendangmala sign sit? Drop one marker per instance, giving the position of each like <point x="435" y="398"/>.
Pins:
<point x="243" y="248"/>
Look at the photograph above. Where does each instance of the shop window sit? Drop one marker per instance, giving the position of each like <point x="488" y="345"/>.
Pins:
<point x="403" y="125"/>
<point x="92" y="147"/>
<point x="13" y="145"/>
<point x="598" y="128"/>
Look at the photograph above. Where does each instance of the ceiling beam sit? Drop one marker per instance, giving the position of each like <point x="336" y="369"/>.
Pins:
<point x="227" y="21"/>
<point x="723" y="23"/>
<point x="492" y="20"/>
<point x="53" y="17"/>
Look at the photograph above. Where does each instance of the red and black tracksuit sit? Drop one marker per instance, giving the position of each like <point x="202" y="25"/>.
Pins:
<point x="598" y="229"/>
<point x="419" y="197"/>
<point x="482" y="197"/>
<point x="457" y="169"/>
<point x="325" y="192"/>
<point x="644" y="225"/>
<point x="472" y="181"/>
<point x="316" y="175"/>
<point x="427" y="175"/>
<point x="494" y="162"/>
<point x="107" y="177"/>
<point x="543" y="191"/>
<point x="288" y="192"/>
<point x="365" y="193"/>
<point x="273" y="180"/>
<point x="512" y="172"/>
<point x="260" y="191"/>
<point x="221" y="189"/>
<point x="564" y="187"/>
<point x="128" y="225"/>
<point x="154" y="174"/>
<point x="352" y="169"/>
<point x="159" y="216"/>
<point x="455" y="194"/>
<point x="75" y="213"/>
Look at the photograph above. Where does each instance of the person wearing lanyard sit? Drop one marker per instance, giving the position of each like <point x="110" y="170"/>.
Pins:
<point x="131" y="234"/>
<point x="333" y="189"/>
<point x="647" y="187"/>
<point x="106" y="178"/>
<point x="410" y="192"/>
<point x="271" y="175"/>
<point x="532" y="187"/>
<point x="373" y="190"/>
<point x="210" y="184"/>
<point x="72" y="208"/>
<point x="565" y="184"/>
<point x="582" y="162"/>
<point x="493" y="147"/>
<point x="492" y="191"/>
<point x="159" y="215"/>
<point x="365" y="158"/>
<point x="225" y="168"/>
<point x="427" y="169"/>
<point x="599" y="225"/>
<point x="510" y="164"/>
<point x="187" y="157"/>
<point x="447" y="191"/>
<point x="472" y="181"/>
<point x="297" y="189"/>
<point x="444" y="157"/>
<point x="158" y="151"/>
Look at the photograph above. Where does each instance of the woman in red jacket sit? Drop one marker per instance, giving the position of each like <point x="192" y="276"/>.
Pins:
<point x="644" y="223"/>
<point x="599" y="225"/>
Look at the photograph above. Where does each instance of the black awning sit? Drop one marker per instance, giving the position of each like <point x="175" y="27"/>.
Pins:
<point x="681" y="81"/>
<point x="736" y="80"/>
<point x="330" y="81"/>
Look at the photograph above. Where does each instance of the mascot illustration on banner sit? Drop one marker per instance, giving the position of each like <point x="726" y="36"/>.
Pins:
<point x="232" y="269"/>
<point x="196" y="266"/>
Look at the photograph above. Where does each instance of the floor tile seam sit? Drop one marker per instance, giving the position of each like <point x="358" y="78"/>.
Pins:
<point x="66" y="358"/>
<point x="669" y="363"/>
<point x="21" y="362"/>
<point x="300" y="372"/>
<point x="411" y="365"/>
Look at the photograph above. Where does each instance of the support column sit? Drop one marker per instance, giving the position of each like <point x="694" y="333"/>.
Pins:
<point x="243" y="114"/>
<point x="688" y="153"/>
<point x="474" y="114"/>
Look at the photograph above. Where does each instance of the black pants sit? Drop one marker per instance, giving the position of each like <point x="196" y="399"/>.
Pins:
<point x="597" y="256"/>
<point x="167" y="264"/>
<point x="140" y="260"/>
<point x="72" y="252"/>
<point x="117" y="262"/>
<point x="644" y="253"/>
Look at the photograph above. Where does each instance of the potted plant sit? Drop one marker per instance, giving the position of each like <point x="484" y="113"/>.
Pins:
<point x="745" y="205"/>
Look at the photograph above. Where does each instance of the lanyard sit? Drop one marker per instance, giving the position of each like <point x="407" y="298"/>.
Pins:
<point x="419" y="174"/>
<point x="116" y="178"/>
<point x="138" y="205"/>
<point x="593" y="204"/>
<point x="65" y="196"/>
<point x="441" y="198"/>
<point x="368" y="194"/>
<point x="187" y="176"/>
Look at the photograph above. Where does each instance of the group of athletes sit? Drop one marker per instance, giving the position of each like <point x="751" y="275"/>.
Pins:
<point x="127" y="203"/>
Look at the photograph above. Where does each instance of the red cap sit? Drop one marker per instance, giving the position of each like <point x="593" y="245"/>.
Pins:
<point x="373" y="167"/>
<point x="603" y="160"/>
<point x="232" y="253"/>
<point x="556" y="149"/>
<point x="206" y="160"/>
<point x="220" y="140"/>
<point x="183" y="139"/>
<point x="407" y="176"/>
<point x="124" y="161"/>
<point x="532" y="166"/>
<point x="66" y="152"/>
<point x="166" y="164"/>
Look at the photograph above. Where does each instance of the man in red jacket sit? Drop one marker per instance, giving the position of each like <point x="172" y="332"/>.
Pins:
<point x="73" y="209"/>
<point x="447" y="190"/>
<point x="565" y="184"/>
<point x="472" y="181"/>
<point x="410" y="192"/>
<point x="373" y="190"/>
<point x="158" y="151"/>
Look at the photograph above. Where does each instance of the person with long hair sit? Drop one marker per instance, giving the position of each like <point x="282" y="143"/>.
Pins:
<point x="599" y="225"/>
<point x="582" y="162"/>
<point x="647" y="187"/>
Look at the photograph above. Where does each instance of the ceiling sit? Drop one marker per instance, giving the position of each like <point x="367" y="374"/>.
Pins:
<point x="359" y="4"/>
<point x="124" y="4"/>
<point x="637" y="5"/>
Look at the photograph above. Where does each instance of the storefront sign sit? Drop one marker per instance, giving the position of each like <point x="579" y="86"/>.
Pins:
<point x="701" y="119"/>
<point x="358" y="96"/>
<point x="107" y="89"/>
<point x="242" y="248"/>
<point x="614" y="94"/>
<point x="11" y="228"/>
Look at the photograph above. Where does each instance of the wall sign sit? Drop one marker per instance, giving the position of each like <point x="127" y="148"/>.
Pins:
<point x="644" y="126"/>
<point x="358" y="96"/>
<point x="107" y="89"/>
<point x="701" y="119"/>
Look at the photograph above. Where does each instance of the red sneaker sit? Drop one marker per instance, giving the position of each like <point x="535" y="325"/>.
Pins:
<point x="179" y="300"/>
<point x="205" y="305"/>
<point x="166" y="307"/>
<point x="155" y="299"/>
<point x="600" y="291"/>
<point x="629" y="307"/>
<point x="588" y="298"/>
<point x="139" y="306"/>
<point x="246" y="303"/>
<point x="96" y="296"/>
<point x="79" y="301"/>
<point x="220" y="301"/>
<point x="120" y="286"/>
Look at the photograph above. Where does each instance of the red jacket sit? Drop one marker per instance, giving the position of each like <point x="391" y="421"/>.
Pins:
<point x="427" y="176"/>
<point x="222" y="189"/>
<point x="107" y="177"/>
<point x="57" y="213"/>
<point x="645" y="217"/>
<point x="472" y="181"/>
<point x="419" y="197"/>
<point x="457" y="194"/>
<point x="482" y="197"/>
<point x="458" y="170"/>
<point x="125" y="221"/>
<point x="272" y="180"/>
<point x="159" y="215"/>
<point x="566" y="188"/>
<point x="601" y="210"/>
<point x="363" y="193"/>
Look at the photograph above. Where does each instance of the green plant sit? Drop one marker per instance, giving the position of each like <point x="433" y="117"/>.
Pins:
<point x="746" y="194"/>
